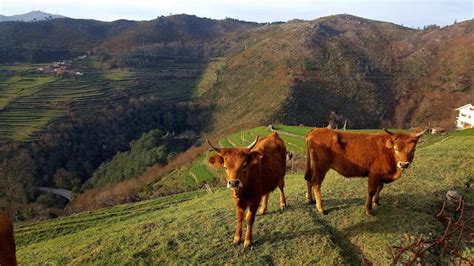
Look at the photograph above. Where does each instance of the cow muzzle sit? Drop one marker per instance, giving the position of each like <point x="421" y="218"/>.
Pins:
<point x="403" y="165"/>
<point x="234" y="184"/>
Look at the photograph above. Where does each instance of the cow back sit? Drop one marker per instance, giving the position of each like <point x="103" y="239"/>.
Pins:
<point x="350" y="154"/>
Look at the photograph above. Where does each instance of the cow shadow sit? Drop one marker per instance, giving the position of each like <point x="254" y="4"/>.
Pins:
<point x="400" y="213"/>
<point x="350" y="253"/>
<point x="332" y="205"/>
<point x="412" y="214"/>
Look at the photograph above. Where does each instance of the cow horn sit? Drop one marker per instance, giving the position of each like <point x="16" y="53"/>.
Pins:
<point x="213" y="147"/>
<point x="253" y="143"/>
<point x="388" y="132"/>
<point x="421" y="133"/>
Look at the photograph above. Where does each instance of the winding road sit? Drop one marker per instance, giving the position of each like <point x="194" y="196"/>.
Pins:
<point x="57" y="191"/>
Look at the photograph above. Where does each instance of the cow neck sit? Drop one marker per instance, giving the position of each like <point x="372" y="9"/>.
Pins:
<point x="252" y="183"/>
<point x="394" y="172"/>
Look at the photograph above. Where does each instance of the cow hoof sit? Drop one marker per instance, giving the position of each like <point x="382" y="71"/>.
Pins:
<point x="369" y="213"/>
<point x="311" y="201"/>
<point x="376" y="205"/>
<point x="322" y="212"/>
<point x="236" y="240"/>
<point x="282" y="206"/>
<point x="262" y="212"/>
<point x="247" y="244"/>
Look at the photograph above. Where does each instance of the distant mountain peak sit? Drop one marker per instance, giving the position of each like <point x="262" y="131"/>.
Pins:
<point x="31" y="16"/>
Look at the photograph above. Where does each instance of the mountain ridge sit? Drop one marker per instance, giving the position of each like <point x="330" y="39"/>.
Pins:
<point x="31" y="16"/>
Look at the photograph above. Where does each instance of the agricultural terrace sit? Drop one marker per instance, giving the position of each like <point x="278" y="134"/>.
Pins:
<point x="30" y="100"/>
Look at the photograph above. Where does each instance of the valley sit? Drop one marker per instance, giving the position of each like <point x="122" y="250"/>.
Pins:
<point x="108" y="111"/>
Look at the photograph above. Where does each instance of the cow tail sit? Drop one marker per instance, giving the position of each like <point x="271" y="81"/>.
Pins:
<point x="308" y="174"/>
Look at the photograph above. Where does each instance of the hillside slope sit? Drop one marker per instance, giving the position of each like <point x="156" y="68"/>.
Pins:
<point x="196" y="227"/>
<point x="371" y="73"/>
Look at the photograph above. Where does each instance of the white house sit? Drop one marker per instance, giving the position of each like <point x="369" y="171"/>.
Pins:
<point x="465" y="118"/>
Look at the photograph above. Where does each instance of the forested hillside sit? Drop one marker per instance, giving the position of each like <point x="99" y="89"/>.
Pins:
<point x="370" y="73"/>
<point x="62" y="38"/>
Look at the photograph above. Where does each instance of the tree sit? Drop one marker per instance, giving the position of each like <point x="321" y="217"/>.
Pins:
<point x="17" y="181"/>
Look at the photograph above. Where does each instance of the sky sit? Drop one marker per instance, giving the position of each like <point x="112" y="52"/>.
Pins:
<point x="414" y="13"/>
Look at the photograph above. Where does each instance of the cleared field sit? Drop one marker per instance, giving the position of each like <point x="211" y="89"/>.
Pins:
<point x="29" y="100"/>
<point x="197" y="227"/>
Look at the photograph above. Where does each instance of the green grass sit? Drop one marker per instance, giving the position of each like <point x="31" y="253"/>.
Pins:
<point x="118" y="74"/>
<point x="20" y="67"/>
<point x="197" y="227"/>
<point x="210" y="76"/>
<point x="302" y="131"/>
<point x="201" y="172"/>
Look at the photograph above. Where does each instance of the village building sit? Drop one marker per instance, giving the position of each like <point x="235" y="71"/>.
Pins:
<point x="465" y="118"/>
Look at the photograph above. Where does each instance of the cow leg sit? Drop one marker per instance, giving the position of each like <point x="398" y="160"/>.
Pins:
<point x="309" y="192"/>
<point x="372" y="190"/>
<point x="317" y="190"/>
<point x="263" y="209"/>
<point x="377" y="195"/>
<point x="281" y="186"/>
<point x="317" y="193"/>
<point x="250" y="220"/>
<point x="240" y="208"/>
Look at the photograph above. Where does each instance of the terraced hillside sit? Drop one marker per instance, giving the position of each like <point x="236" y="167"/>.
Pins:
<point x="197" y="227"/>
<point x="29" y="100"/>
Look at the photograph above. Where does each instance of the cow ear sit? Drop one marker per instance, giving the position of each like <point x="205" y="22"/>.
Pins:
<point x="389" y="143"/>
<point x="216" y="161"/>
<point x="254" y="157"/>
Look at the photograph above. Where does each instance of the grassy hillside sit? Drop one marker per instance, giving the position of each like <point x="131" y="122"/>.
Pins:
<point x="197" y="227"/>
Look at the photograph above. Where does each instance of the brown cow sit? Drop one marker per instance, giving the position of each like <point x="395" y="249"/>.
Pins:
<point x="382" y="157"/>
<point x="7" y="242"/>
<point x="252" y="173"/>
